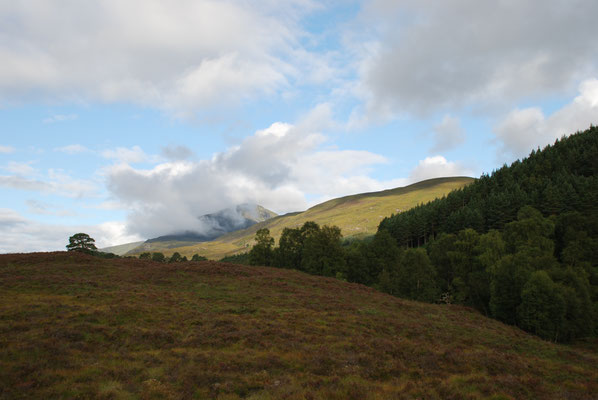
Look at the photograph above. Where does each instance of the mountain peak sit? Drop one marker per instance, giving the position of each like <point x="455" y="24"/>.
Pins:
<point x="214" y="225"/>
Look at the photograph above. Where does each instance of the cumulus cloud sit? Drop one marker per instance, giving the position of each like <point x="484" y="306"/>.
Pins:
<point x="6" y="149"/>
<point x="73" y="149"/>
<point x="525" y="129"/>
<point x="180" y="56"/>
<point x="20" y="234"/>
<point x="432" y="55"/>
<point x="436" y="167"/>
<point x="278" y="167"/>
<point x="448" y="134"/>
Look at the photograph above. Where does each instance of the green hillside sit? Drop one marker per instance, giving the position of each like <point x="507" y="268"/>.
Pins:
<point x="357" y="216"/>
<point x="75" y="326"/>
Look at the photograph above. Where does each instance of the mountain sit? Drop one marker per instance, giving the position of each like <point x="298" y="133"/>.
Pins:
<point x="222" y="222"/>
<point x="212" y="226"/>
<point x="77" y="326"/>
<point x="357" y="216"/>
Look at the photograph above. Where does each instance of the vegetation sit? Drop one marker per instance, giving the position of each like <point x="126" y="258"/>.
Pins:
<point x="520" y="245"/>
<point x="76" y="326"/>
<point x="241" y="258"/>
<point x="158" y="257"/>
<point x="81" y="242"/>
<point x="261" y="253"/>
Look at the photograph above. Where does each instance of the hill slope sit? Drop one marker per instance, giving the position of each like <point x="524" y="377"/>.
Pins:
<point x="357" y="216"/>
<point x="74" y="326"/>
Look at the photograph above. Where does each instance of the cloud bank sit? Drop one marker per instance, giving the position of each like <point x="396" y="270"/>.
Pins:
<point x="432" y="55"/>
<point x="178" y="56"/>
<point x="278" y="167"/>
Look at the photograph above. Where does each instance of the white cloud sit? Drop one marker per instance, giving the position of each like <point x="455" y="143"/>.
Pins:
<point x="19" y="168"/>
<point x="124" y="155"/>
<point x="73" y="149"/>
<point x="437" y="167"/>
<point x="278" y="167"/>
<point x="59" y="118"/>
<point x="56" y="182"/>
<point x="432" y="55"/>
<point x="523" y="130"/>
<point x="21" y="183"/>
<point x="6" y="149"/>
<point x="448" y="134"/>
<point x="182" y="56"/>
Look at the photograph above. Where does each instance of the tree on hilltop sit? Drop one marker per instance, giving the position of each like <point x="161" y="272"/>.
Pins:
<point x="81" y="242"/>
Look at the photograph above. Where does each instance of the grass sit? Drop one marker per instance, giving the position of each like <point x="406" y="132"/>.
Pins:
<point x="74" y="326"/>
<point x="357" y="215"/>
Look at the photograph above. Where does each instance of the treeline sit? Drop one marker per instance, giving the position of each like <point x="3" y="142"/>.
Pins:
<point x="175" y="257"/>
<point x="520" y="245"/>
<point x="311" y="248"/>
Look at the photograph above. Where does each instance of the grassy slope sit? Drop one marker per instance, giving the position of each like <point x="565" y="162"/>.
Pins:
<point x="76" y="326"/>
<point x="121" y="248"/>
<point x="356" y="215"/>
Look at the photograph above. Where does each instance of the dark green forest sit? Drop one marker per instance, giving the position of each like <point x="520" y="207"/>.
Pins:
<point x="519" y="245"/>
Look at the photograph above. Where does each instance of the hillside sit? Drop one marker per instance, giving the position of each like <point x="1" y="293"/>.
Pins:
<point x="357" y="216"/>
<point x="75" y="326"/>
<point x="121" y="249"/>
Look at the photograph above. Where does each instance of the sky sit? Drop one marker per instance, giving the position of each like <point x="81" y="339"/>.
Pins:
<point x="127" y="120"/>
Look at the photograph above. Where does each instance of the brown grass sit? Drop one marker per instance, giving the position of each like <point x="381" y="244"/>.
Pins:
<point x="74" y="326"/>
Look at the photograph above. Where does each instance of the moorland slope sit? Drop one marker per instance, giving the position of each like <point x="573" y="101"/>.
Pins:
<point x="77" y="326"/>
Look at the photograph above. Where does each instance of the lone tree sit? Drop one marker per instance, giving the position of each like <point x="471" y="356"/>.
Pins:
<point x="81" y="242"/>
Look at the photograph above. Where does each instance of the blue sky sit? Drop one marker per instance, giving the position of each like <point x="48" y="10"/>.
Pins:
<point x="128" y="119"/>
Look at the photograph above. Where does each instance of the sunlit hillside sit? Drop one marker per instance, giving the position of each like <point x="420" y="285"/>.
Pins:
<point x="357" y="216"/>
